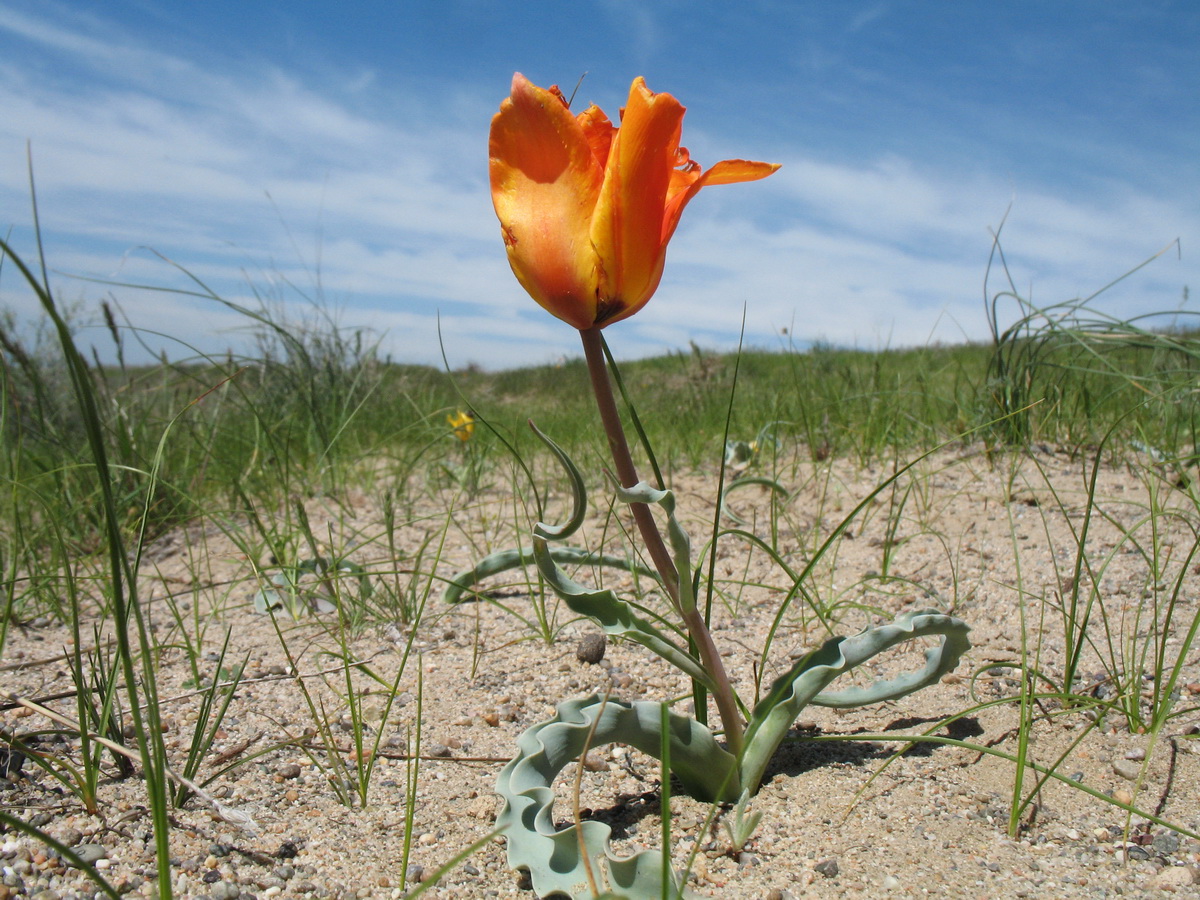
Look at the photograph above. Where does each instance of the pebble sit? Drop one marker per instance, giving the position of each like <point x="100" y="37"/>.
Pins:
<point x="1127" y="769"/>
<point x="1173" y="877"/>
<point x="288" y="770"/>
<point x="595" y="761"/>
<point x="91" y="853"/>
<point x="1166" y="843"/>
<point x="827" y="867"/>
<point x="225" y="891"/>
<point x="890" y="883"/>
<point x="591" y="647"/>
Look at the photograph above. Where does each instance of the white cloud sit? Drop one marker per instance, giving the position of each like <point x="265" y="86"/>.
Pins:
<point x="387" y="214"/>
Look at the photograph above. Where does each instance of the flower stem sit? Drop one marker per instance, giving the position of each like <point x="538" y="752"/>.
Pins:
<point x="656" y="547"/>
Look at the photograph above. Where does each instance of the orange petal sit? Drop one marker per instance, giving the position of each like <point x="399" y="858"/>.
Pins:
<point x="545" y="183"/>
<point x="734" y="171"/>
<point x="627" y="230"/>
<point x="728" y="171"/>
<point x="599" y="132"/>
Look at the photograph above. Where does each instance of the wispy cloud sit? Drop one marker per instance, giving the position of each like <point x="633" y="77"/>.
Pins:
<point x="376" y="199"/>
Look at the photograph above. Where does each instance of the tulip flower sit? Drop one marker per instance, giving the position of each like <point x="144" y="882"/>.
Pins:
<point x="587" y="208"/>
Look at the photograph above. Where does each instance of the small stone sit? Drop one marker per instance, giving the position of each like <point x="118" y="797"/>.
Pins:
<point x="415" y="874"/>
<point x="491" y="718"/>
<point x="827" y="867"/>
<point x="70" y="836"/>
<point x="591" y="647"/>
<point x="1123" y="796"/>
<point x="890" y="883"/>
<point x="288" y="770"/>
<point x="1173" y="877"/>
<point x="287" y="850"/>
<point x="225" y="891"/>
<point x="91" y="853"/>
<point x="594" y="761"/>
<point x="1166" y="843"/>
<point x="1127" y="769"/>
<point x="438" y="750"/>
<point x="1137" y="753"/>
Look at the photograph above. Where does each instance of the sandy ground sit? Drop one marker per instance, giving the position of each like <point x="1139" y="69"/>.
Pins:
<point x="990" y="540"/>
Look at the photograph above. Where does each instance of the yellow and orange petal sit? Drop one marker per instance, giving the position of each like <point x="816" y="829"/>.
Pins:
<point x="586" y="208"/>
<point x="545" y="182"/>
<point x="463" y="425"/>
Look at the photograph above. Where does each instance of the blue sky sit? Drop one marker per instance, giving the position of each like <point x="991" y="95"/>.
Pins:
<point x="285" y="149"/>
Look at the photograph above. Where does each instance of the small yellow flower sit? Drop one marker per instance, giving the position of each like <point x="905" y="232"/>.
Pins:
<point x="463" y="423"/>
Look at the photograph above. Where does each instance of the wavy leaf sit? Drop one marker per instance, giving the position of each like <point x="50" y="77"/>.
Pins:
<point x="553" y="857"/>
<point x="503" y="560"/>
<point x="805" y="683"/>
